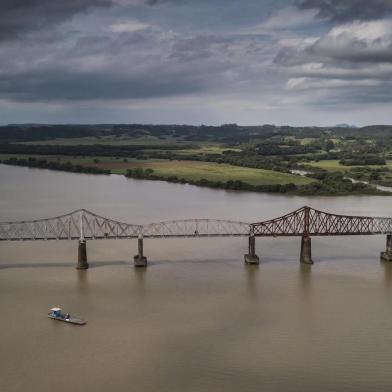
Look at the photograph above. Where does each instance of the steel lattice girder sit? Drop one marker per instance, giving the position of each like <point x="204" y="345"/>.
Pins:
<point x="82" y="223"/>
<point x="85" y="224"/>
<point x="314" y="222"/>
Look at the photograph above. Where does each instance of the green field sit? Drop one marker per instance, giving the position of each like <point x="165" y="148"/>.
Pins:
<point x="189" y="170"/>
<point x="192" y="170"/>
<point x="107" y="140"/>
<point x="207" y="149"/>
<point x="334" y="165"/>
<point x="200" y="147"/>
<point x="212" y="156"/>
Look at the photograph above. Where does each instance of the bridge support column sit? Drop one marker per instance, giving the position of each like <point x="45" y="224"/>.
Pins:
<point x="140" y="260"/>
<point x="306" y="250"/>
<point x="82" y="255"/>
<point x="251" y="257"/>
<point x="387" y="255"/>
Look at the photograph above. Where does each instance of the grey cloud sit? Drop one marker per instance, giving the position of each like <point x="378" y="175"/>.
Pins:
<point x="289" y="56"/>
<point x="92" y="62"/>
<point x="20" y="16"/>
<point x="356" y="95"/>
<point x="155" y="2"/>
<point x="60" y="85"/>
<point x="322" y="52"/>
<point x="336" y="91"/>
<point x="353" y="51"/>
<point x="349" y="65"/>
<point x="344" y="10"/>
<point x="142" y="64"/>
<point x="342" y="49"/>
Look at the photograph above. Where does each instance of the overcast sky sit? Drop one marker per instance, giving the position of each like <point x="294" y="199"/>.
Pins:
<point x="295" y="62"/>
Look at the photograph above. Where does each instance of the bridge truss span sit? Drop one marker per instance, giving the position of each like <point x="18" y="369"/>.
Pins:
<point x="311" y="222"/>
<point x="75" y="225"/>
<point x="304" y="222"/>
<point x="83" y="224"/>
<point x="196" y="228"/>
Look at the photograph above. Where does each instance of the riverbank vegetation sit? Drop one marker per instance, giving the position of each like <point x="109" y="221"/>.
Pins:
<point x="52" y="165"/>
<point x="260" y="158"/>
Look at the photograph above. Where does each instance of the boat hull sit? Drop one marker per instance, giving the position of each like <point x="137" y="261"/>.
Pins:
<point x="71" y="320"/>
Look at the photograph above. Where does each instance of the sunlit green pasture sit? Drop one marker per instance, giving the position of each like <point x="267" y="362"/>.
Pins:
<point x="189" y="170"/>
<point x="192" y="170"/>
<point x="334" y="165"/>
<point x="107" y="140"/>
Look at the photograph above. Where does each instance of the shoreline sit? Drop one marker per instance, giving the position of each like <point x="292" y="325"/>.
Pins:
<point x="232" y="185"/>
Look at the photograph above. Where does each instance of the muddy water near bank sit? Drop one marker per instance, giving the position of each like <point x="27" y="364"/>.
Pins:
<point x="197" y="319"/>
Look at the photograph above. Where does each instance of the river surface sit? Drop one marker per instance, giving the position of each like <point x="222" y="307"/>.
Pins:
<point x="197" y="319"/>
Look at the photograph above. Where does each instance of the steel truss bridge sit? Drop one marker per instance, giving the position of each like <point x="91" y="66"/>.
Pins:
<point x="304" y="222"/>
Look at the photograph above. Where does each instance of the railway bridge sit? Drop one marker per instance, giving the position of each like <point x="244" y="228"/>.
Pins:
<point x="305" y="222"/>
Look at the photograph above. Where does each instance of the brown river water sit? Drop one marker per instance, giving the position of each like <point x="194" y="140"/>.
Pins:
<point x="197" y="319"/>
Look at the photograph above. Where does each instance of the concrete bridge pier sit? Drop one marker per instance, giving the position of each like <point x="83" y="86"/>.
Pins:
<point x="82" y="255"/>
<point x="251" y="257"/>
<point x="306" y="250"/>
<point x="387" y="255"/>
<point x="140" y="260"/>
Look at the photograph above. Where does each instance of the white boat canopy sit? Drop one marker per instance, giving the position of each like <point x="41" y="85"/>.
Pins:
<point x="55" y="309"/>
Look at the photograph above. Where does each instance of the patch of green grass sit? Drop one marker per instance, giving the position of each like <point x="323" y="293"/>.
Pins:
<point x="192" y="170"/>
<point x="201" y="148"/>
<point x="207" y="149"/>
<point x="307" y="140"/>
<point x="334" y="165"/>
<point x="189" y="170"/>
<point x="107" y="140"/>
<point x="331" y="165"/>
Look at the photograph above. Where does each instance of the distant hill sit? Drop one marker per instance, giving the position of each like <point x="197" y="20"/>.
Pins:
<point x="226" y="133"/>
<point x="345" y="126"/>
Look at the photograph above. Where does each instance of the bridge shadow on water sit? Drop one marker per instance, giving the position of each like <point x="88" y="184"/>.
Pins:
<point x="252" y="271"/>
<point x="192" y="261"/>
<point x="387" y="266"/>
<point x="305" y="280"/>
<point x="100" y="264"/>
<point x="92" y="265"/>
<point x="151" y="263"/>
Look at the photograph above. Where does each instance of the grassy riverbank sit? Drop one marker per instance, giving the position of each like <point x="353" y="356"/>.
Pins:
<point x="187" y="170"/>
<point x="195" y="170"/>
<point x="375" y="174"/>
<point x="259" y="158"/>
<point x="335" y="165"/>
<point x="199" y="173"/>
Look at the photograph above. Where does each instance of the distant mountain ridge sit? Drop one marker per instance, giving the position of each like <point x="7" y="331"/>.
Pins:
<point x="226" y="133"/>
<point x="345" y="126"/>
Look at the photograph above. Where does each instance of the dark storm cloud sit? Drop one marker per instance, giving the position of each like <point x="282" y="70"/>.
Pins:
<point x="351" y="63"/>
<point x="20" y="16"/>
<point x="347" y="45"/>
<point x="345" y="10"/>
<point x="155" y="2"/>
<point x="61" y="85"/>
<point x="137" y="65"/>
<point x="351" y="51"/>
<point x="254" y="53"/>
<point x="355" y="95"/>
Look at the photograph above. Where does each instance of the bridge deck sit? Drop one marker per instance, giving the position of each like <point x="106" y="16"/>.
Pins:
<point x="305" y="221"/>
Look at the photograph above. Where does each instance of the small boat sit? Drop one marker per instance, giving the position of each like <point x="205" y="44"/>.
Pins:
<point x="56" y="314"/>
